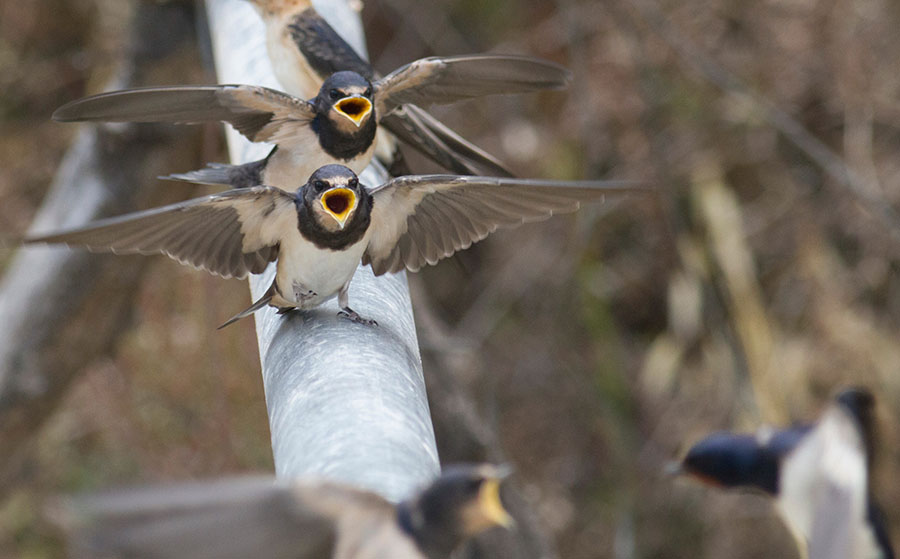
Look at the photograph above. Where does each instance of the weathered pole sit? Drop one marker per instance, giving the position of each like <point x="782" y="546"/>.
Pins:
<point x="345" y="401"/>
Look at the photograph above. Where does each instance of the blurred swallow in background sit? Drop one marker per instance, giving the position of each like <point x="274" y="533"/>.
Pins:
<point x="337" y="126"/>
<point x="247" y="517"/>
<point x="818" y="475"/>
<point x="320" y="233"/>
<point x="305" y="49"/>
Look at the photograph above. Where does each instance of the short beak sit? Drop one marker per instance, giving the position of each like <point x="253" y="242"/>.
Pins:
<point x="490" y="505"/>
<point x="503" y="471"/>
<point x="674" y="468"/>
<point x="339" y="203"/>
<point x="354" y="108"/>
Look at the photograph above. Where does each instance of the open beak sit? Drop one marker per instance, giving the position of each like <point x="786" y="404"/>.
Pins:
<point x="339" y="203"/>
<point x="355" y="108"/>
<point x="490" y="505"/>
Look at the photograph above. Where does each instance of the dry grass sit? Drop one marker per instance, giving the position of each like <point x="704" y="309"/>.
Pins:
<point x="598" y="346"/>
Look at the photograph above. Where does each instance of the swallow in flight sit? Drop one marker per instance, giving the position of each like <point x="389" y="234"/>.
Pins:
<point x="338" y="125"/>
<point x="320" y="233"/>
<point x="260" y="516"/>
<point x="817" y="474"/>
<point x="305" y="50"/>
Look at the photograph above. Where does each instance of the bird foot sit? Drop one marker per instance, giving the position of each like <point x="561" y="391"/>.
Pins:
<point x="352" y="315"/>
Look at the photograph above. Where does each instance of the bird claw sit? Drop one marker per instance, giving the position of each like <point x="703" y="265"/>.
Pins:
<point x="352" y="315"/>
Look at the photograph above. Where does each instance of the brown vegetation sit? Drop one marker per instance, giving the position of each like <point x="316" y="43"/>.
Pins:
<point x="587" y="350"/>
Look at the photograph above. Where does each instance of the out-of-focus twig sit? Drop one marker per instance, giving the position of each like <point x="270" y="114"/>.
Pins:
<point x="863" y="190"/>
<point x="721" y="215"/>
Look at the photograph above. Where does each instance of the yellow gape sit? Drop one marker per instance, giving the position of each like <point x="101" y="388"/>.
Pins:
<point x="339" y="203"/>
<point x="355" y="108"/>
<point x="491" y="506"/>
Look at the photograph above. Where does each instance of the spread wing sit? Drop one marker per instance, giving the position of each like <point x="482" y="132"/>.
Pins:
<point x="225" y="519"/>
<point x="325" y="50"/>
<point x="228" y="234"/>
<point x="259" y="113"/>
<point x="442" y="145"/>
<point x="420" y="219"/>
<point x="445" y="80"/>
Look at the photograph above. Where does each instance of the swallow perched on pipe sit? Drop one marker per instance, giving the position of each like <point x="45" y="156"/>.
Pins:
<point x="338" y="125"/>
<point x="264" y="517"/>
<point x="305" y="49"/>
<point x="818" y="475"/>
<point x="319" y="234"/>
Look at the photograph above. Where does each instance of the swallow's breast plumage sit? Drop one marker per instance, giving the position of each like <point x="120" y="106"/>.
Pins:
<point x="299" y="156"/>
<point x="304" y="267"/>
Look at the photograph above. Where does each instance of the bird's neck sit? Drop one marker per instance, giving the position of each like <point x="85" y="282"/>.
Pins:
<point x="342" y="145"/>
<point x="765" y="474"/>
<point x="435" y="537"/>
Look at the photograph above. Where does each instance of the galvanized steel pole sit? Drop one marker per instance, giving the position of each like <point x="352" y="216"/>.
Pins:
<point x="345" y="401"/>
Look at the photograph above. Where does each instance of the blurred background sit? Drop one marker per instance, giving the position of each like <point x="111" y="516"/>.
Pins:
<point x="588" y="350"/>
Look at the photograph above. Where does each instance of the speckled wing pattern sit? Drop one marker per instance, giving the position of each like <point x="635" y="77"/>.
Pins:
<point x="259" y="113"/>
<point x="420" y="219"/>
<point x="228" y="234"/>
<point x="438" y="80"/>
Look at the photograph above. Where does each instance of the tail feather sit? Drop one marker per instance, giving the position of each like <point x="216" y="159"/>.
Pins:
<point x="214" y="173"/>
<point x="262" y="302"/>
<point x="420" y="130"/>
<point x="235" y="176"/>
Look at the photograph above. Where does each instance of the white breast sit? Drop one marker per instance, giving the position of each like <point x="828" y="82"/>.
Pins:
<point x="291" y="68"/>
<point x="298" y="157"/>
<point x="302" y="267"/>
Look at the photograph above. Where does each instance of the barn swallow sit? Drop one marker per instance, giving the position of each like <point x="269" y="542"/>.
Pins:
<point x="817" y="474"/>
<point x="305" y="49"/>
<point x="338" y="125"/>
<point x="320" y="233"/>
<point x="264" y="517"/>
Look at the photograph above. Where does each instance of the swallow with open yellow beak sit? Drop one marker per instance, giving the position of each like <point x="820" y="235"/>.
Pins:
<point x="817" y="474"/>
<point x="262" y="517"/>
<point x="305" y="49"/>
<point x="337" y="126"/>
<point x="320" y="233"/>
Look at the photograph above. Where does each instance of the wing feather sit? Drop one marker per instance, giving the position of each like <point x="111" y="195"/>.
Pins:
<point x="230" y="518"/>
<point x="420" y="219"/>
<point x="228" y="234"/>
<point x="438" y="80"/>
<point x="259" y="113"/>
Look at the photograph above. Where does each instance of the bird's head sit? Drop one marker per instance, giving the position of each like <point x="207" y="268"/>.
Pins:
<point x="345" y="98"/>
<point x="332" y="194"/>
<point x="731" y="460"/>
<point x="460" y="504"/>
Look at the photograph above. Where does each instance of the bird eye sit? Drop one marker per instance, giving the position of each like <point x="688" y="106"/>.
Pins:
<point x="354" y="182"/>
<point x="368" y="92"/>
<point x="319" y="186"/>
<point x="334" y="93"/>
<point x="473" y="485"/>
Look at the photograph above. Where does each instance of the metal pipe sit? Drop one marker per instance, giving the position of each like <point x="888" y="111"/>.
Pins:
<point x="345" y="401"/>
